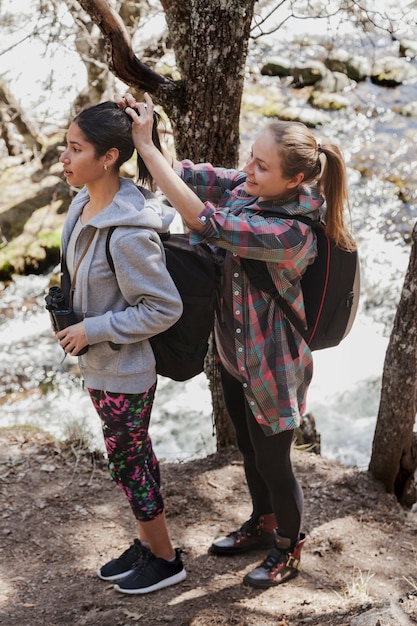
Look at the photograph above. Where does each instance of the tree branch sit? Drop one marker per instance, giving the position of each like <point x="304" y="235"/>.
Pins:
<point x="122" y="61"/>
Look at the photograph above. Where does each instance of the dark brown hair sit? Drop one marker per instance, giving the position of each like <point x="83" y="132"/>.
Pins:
<point x="106" y="126"/>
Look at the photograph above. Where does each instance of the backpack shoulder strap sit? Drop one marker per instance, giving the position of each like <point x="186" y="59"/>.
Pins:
<point x="259" y="276"/>
<point x="287" y="216"/>
<point x="108" y="254"/>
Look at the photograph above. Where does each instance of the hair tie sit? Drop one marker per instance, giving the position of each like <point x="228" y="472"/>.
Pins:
<point x="319" y="148"/>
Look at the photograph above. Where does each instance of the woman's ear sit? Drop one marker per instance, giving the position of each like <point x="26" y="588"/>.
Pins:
<point x="111" y="157"/>
<point x="295" y="181"/>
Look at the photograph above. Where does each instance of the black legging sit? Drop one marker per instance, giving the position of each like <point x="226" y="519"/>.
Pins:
<point x="269" y="474"/>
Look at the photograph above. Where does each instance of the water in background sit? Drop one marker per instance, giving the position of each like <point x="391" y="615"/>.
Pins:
<point x="37" y="387"/>
<point x="40" y="388"/>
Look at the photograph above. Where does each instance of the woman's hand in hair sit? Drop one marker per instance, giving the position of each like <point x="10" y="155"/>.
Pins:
<point x="183" y="199"/>
<point x="125" y="101"/>
<point x="142" y="114"/>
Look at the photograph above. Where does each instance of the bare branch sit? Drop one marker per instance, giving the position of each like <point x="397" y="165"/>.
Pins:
<point x="365" y="17"/>
<point x="259" y="23"/>
<point x="122" y="60"/>
<point x="17" y="43"/>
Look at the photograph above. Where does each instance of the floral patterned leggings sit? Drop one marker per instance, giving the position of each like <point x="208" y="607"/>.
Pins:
<point x="132" y="461"/>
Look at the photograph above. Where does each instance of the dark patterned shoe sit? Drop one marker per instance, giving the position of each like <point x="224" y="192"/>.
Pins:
<point x="153" y="574"/>
<point x="125" y="563"/>
<point x="250" y="536"/>
<point x="279" y="566"/>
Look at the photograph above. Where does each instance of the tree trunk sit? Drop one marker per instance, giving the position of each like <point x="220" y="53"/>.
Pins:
<point x="210" y="41"/>
<point x="394" y="449"/>
<point x="223" y="427"/>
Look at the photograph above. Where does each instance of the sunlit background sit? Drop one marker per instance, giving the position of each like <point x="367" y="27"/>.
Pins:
<point x="344" y="396"/>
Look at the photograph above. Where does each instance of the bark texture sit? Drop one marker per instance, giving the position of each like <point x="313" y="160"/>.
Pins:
<point x="210" y="42"/>
<point x="394" y="450"/>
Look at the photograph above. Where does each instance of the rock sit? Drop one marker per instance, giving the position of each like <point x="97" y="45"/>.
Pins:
<point x="309" y="117"/>
<point x="335" y="82"/>
<point x="391" y="71"/>
<point x="408" y="48"/>
<point x="278" y="66"/>
<point x="410" y="109"/>
<point x="308" y="73"/>
<point x="356" y="67"/>
<point x="306" y="436"/>
<point x="328" y="101"/>
<point x="32" y="218"/>
<point x="391" y="615"/>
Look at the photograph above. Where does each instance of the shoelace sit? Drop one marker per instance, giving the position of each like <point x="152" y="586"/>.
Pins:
<point x="138" y="550"/>
<point x="143" y="560"/>
<point x="274" y="557"/>
<point x="248" y="528"/>
<point x="135" y="548"/>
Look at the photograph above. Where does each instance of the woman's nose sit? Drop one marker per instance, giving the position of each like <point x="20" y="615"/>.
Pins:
<point x="248" y="166"/>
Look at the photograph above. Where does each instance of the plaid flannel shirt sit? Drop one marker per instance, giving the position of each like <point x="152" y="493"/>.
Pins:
<point x="275" y="383"/>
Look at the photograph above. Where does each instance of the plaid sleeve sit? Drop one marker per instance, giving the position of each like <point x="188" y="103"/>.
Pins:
<point x="209" y="183"/>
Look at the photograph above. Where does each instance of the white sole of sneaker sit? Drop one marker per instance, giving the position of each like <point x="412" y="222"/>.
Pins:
<point x="115" y="577"/>
<point x="167" y="582"/>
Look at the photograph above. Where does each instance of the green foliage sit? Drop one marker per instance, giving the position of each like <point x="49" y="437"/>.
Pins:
<point x="50" y="239"/>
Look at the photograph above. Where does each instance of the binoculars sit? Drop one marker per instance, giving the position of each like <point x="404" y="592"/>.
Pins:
<point x="61" y="315"/>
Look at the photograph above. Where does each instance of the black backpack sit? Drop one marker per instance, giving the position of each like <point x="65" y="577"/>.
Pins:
<point x="330" y="288"/>
<point x="196" y="271"/>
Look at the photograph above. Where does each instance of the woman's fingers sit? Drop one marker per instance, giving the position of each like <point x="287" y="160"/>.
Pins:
<point x="125" y="101"/>
<point x="149" y="102"/>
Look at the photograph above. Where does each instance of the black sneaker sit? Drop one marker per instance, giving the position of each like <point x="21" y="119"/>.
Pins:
<point x="152" y="574"/>
<point x="125" y="564"/>
<point x="250" y="536"/>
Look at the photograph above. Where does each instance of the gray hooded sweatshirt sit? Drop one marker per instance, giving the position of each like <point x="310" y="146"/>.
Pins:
<point x="121" y="309"/>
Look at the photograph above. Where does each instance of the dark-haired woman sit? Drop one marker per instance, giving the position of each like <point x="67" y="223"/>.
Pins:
<point x="119" y="311"/>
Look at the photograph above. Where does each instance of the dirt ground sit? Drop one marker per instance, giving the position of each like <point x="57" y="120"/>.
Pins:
<point x="62" y="517"/>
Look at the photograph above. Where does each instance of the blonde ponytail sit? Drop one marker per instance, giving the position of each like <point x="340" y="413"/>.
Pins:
<point x="333" y="185"/>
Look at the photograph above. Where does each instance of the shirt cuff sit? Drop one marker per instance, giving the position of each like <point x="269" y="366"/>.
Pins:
<point x="206" y="213"/>
<point x="209" y="228"/>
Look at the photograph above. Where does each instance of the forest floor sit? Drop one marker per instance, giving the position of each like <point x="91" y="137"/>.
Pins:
<point x="62" y="517"/>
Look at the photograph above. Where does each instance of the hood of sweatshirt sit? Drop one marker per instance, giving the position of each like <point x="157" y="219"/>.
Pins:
<point x="129" y="207"/>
